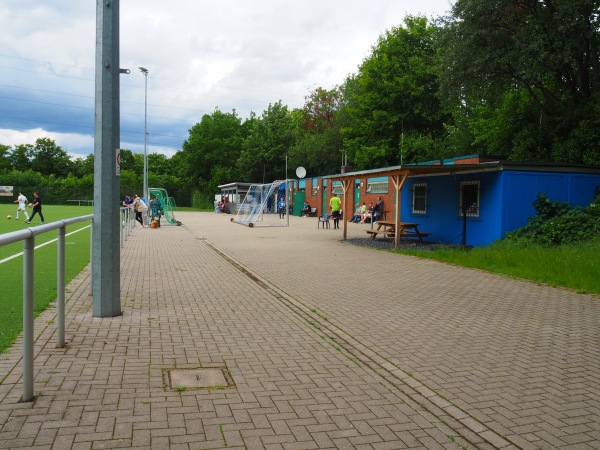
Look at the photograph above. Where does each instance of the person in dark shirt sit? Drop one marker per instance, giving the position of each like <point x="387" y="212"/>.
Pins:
<point x="378" y="209"/>
<point x="37" y="208"/>
<point x="157" y="209"/>
<point x="128" y="201"/>
<point x="305" y="210"/>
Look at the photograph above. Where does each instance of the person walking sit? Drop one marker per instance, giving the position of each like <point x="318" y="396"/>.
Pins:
<point x="22" y="201"/>
<point x="336" y="206"/>
<point x="37" y="208"/>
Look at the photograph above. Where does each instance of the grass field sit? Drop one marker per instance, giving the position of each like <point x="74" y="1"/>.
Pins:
<point x="11" y="263"/>
<point x="574" y="266"/>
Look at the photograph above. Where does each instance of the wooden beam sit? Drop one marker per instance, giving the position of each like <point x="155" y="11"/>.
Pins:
<point x="398" y="180"/>
<point x="346" y="183"/>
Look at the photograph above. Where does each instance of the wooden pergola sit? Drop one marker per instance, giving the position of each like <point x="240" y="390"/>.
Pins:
<point x="398" y="175"/>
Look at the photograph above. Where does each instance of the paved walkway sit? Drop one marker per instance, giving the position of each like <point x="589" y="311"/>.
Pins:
<point x="321" y="345"/>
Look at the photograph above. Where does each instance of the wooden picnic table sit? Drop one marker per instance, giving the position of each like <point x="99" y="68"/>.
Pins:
<point x="405" y="229"/>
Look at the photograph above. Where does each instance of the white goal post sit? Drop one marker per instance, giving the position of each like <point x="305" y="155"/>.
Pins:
<point x="265" y="205"/>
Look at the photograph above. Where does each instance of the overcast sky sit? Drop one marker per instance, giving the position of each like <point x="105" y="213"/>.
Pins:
<point x="201" y="55"/>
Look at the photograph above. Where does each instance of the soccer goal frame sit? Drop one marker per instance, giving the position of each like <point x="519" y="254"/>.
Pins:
<point x="265" y="205"/>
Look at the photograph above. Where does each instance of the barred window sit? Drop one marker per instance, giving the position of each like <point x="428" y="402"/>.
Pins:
<point x="377" y="187"/>
<point x="419" y="198"/>
<point x="337" y="189"/>
<point x="469" y="198"/>
<point x="315" y="191"/>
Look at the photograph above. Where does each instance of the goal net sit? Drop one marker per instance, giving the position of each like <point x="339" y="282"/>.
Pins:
<point x="166" y="206"/>
<point x="264" y="205"/>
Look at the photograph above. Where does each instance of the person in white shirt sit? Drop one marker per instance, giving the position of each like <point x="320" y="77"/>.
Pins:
<point x="22" y="201"/>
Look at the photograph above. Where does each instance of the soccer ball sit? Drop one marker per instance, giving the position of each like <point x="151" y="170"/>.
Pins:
<point x="9" y="217"/>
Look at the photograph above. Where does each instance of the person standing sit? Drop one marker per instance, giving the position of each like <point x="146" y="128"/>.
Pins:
<point x="157" y="209"/>
<point x="139" y="207"/>
<point x="378" y="209"/>
<point x="128" y="201"/>
<point x="336" y="206"/>
<point x="281" y="207"/>
<point x="22" y="201"/>
<point x="37" y="208"/>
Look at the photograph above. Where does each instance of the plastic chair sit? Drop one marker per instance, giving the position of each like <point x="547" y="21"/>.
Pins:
<point x="323" y="219"/>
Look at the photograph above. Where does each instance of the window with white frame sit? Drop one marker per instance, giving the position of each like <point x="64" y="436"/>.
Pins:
<point x="337" y="189"/>
<point x="419" y="198"/>
<point x="377" y="187"/>
<point x="469" y="198"/>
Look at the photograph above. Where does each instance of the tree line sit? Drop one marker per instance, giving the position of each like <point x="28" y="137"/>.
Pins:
<point x="518" y="79"/>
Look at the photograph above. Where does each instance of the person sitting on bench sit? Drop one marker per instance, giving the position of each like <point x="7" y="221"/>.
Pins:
<point x="356" y="217"/>
<point x="305" y="210"/>
<point x="366" y="215"/>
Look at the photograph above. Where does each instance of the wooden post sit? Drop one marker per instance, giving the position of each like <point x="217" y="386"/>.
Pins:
<point x="345" y="185"/>
<point x="398" y="184"/>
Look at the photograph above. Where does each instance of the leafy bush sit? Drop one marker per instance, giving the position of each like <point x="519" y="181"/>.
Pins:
<point x="557" y="223"/>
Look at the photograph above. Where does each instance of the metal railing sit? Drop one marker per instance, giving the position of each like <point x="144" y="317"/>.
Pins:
<point x="28" y="237"/>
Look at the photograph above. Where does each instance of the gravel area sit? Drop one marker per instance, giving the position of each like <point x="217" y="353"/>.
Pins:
<point x="388" y="244"/>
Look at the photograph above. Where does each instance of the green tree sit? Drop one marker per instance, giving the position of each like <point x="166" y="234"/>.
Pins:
<point x="209" y="155"/>
<point x="4" y="158"/>
<point x="48" y="158"/>
<point x="127" y="160"/>
<point x="159" y="164"/>
<point x="264" y="151"/>
<point x="20" y="157"/>
<point x="394" y="94"/>
<point x="83" y="166"/>
<point x="318" y="145"/>
<point x="494" y="52"/>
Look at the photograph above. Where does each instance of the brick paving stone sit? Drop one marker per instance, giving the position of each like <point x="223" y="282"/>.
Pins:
<point x="433" y="351"/>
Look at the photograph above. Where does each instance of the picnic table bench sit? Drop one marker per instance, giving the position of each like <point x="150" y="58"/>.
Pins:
<point x="405" y="229"/>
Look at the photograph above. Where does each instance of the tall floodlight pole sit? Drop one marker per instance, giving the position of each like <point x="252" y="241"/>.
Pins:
<point x="106" y="275"/>
<point x="145" y="72"/>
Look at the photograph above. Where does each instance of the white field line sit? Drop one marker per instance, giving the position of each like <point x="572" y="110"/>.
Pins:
<point x="41" y="245"/>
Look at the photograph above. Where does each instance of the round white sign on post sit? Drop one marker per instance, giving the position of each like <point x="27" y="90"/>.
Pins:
<point x="300" y="172"/>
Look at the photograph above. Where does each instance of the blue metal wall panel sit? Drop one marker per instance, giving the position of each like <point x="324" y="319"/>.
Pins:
<point x="582" y="188"/>
<point x="522" y="188"/>
<point x="443" y="219"/>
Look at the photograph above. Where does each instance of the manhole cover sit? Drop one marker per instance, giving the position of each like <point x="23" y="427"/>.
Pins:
<point x="200" y="378"/>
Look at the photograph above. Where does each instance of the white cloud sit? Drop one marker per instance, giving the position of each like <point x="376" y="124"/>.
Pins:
<point x="66" y="141"/>
<point x="200" y="55"/>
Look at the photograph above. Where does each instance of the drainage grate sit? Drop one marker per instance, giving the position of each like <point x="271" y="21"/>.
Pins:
<point x="199" y="378"/>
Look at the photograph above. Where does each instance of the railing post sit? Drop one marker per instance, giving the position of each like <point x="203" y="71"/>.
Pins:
<point x="60" y="288"/>
<point x="91" y="253"/>
<point x="28" y="290"/>
<point x="122" y="227"/>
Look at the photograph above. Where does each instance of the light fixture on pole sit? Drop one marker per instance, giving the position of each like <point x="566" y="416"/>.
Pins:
<point x="145" y="192"/>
